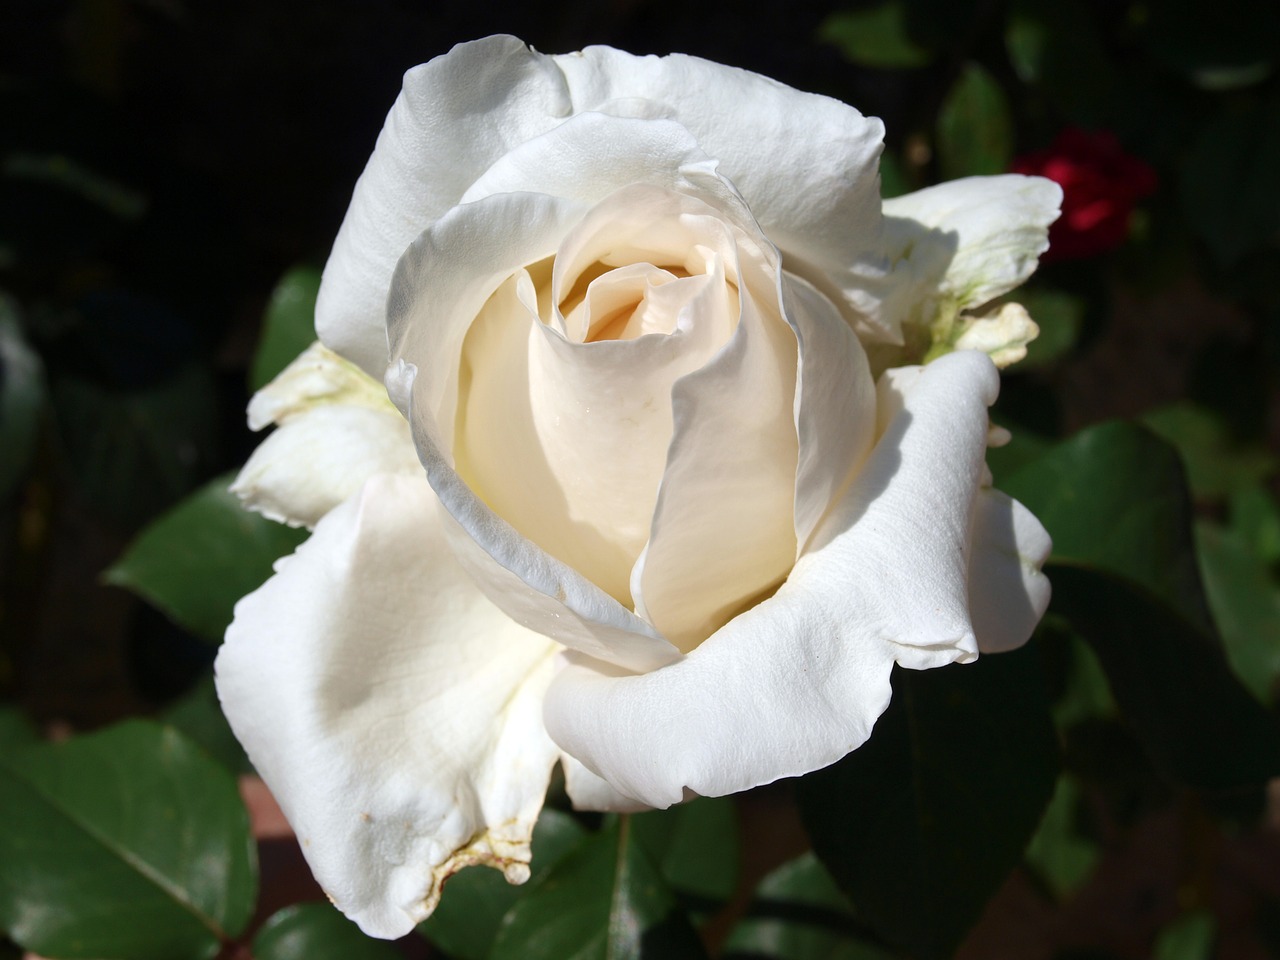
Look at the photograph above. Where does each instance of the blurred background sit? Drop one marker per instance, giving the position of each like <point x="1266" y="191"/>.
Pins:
<point x="172" y="172"/>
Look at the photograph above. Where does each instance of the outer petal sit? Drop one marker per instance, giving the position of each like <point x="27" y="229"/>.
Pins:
<point x="336" y="428"/>
<point x="1002" y="333"/>
<point x="390" y="707"/>
<point x="968" y="241"/>
<point x="806" y="164"/>
<point x="1007" y="592"/>
<point x="591" y="155"/>
<point x="797" y="681"/>
<point x="589" y="792"/>
<point x="454" y="117"/>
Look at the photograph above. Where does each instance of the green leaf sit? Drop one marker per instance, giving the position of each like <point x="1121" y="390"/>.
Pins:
<point x="198" y="716"/>
<point x="1060" y="853"/>
<point x="129" y="844"/>
<point x="975" y="132"/>
<point x="1217" y="465"/>
<point x="922" y="824"/>
<point x="16" y="729"/>
<point x="198" y="559"/>
<point x="1024" y="447"/>
<point x="1124" y="574"/>
<point x="476" y="899"/>
<point x="1027" y="39"/>
<point x="1255" y="517"/>
<point x="1171" y="682"/>
<point x="1086" y="694"/>
<point x="1113" y="497"/>
<point x="695" y="846"/>
<point x="288" y="327"/>
<point x="1246" y="606"/>
<point x="133" y="451"/>
<point x="316" y="931"/>
<point x="605" y="901"/>
<point x="874" y="37"/>
<point x="1190" y="937"/>
<point x="22" y="398"/>
<point x="893" y="178"/>
<point x="798" y="913"/>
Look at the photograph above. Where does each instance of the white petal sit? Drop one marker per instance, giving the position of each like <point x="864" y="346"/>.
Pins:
<point x="796" y="682"/>
<point x="336" y="429"/>
<point x="1002" y="333"/>
<point x="454" y="117"/>
<point x="835" y="404"/>
<point x="589" y="792"/>
<point x="444" y="279"/>
<point x="318" y="458"/>
<point x="968" y="241"/>
<point x="1007" y="592"/>
<point x="316" y="376"/>
<point x="592" y="155"/>
<point x="440" y="286"/>
<point x="392" y="710"/>
<point x="723" y="530"/>
<point x="806" y="164"/>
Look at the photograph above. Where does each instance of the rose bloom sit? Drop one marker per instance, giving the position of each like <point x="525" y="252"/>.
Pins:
<point x="655" y="489"/>
<point x="1101" y="184"/>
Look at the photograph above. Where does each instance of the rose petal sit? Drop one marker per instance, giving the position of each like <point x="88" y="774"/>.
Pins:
<point x="445" y="129"/>
<point x="806" y="164"/>
<point x="797" y="681"/>
<point x="1002" y="333"/>
<point x="589" y="792"/>
<point x="590" y="423"/>
<point x="316" y="376"/>
<point x="592" y="155"/>
<point x="440" y="286"/>
<point x="336" y="429"/>
<point x="967" y="241"/>
<point x="317" y="459"/>
<point x="835" y="404"/>
<point x="390" y="707"/>
<point x="723" y="529"/>
<point x="1007" y="592"/>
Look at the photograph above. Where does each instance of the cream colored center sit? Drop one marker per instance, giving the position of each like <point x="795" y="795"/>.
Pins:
<point x="565" y="388"/>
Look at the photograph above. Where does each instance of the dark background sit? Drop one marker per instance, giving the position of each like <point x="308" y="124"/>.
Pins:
<point x="164" y="162"/>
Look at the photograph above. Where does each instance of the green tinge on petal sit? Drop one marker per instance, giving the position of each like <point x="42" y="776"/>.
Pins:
<point x="1002" y="333"/>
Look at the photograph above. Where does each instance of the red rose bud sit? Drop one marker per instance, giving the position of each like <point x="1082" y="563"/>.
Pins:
<point x="1100" y="183"/>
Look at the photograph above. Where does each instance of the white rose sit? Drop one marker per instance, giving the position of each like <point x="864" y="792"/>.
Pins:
<point x="673" y="530"/>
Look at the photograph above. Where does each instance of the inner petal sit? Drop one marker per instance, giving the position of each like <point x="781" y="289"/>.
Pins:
<point x="723" y="531"/>
<point x="565" y="409"/>
<point x="625" y="303"/>
<point x="617" y="263"/>
<point x="568" y="441"/>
